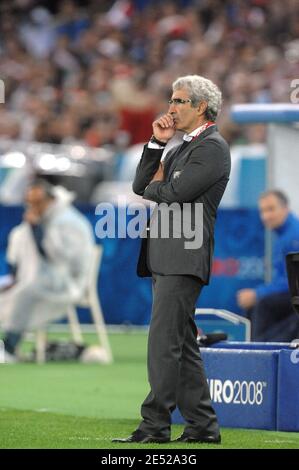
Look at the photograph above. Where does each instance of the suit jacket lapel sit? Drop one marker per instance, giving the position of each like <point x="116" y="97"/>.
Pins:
<point x="193" y="144"/>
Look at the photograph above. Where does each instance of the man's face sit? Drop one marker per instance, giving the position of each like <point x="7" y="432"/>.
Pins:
<point x="37" y="200"/>
<point x="186" y="117"/>
<point x="273" y="213"/>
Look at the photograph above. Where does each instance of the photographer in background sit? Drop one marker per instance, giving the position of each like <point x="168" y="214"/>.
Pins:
<point x="269" y="306"/>
<point x="49" y="254"/>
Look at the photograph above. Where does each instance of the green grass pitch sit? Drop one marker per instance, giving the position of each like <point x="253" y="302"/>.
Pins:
<point x="84" y="406"/>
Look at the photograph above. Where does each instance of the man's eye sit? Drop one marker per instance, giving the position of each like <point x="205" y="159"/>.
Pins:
<point x="178" y="101"/>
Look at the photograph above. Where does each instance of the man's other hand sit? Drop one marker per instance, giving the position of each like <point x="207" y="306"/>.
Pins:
<point x="246" y="298"/>
<point x="159" y="175"/>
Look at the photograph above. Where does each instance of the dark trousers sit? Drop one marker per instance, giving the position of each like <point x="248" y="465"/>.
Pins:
<point x="274" y="319"/>
<point x="175" y="369"/>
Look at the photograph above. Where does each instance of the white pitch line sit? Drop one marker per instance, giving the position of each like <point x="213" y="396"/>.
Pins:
<point x="278" y="441"/>
<point x="85" y="439"/>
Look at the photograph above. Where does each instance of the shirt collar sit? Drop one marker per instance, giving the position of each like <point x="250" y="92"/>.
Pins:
<point x="197" y="131"/>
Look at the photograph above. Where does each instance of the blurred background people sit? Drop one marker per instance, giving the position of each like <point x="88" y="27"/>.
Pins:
<point x="89" y="71"/>
<point x="269" y="305"/>
<point x="49" y="254"/>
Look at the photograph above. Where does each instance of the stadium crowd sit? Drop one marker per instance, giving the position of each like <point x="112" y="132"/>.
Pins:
<point x="98" y="72"/>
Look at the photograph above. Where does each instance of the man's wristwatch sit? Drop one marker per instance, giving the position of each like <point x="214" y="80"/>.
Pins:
<point x="157" y="141"/>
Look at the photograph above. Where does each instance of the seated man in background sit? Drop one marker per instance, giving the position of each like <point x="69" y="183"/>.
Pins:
<point x="269" y="305"/>
<point x="50" y="254"/>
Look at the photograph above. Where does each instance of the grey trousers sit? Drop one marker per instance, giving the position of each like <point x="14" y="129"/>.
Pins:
<point x="175" y="369"/>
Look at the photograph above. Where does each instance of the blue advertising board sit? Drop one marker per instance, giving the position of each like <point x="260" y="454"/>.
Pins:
<point x="253" y="385"/>
<point x="288" y="391"/>
<point x="243" y="387"/>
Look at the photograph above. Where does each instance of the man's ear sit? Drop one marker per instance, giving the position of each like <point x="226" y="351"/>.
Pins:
<point x="202" y="107"/>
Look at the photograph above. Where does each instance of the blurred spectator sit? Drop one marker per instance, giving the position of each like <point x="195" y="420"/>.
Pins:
<point x="72" y="21"/>
<point x="98" y="65"/>
<point x="269" y="306"/>
<point x="49" y="254"/>
<point x="37" y="33"/>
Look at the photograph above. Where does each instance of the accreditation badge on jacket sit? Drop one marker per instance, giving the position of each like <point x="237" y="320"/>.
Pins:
<point x="176" y="174"/>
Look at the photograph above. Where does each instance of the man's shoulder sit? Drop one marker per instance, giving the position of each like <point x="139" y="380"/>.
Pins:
<point x="289" y="240"/>
<point x="215" y="143"/>
<point x="216" y="137"/>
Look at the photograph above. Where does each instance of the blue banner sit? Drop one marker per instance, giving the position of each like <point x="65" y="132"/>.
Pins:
<point x="243" y="387"/>
<point x="254" y="386"/>
<point x="126" y="299"/>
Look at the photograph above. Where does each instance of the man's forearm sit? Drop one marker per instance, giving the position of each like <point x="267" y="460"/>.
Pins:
<point x="146" y="169"/>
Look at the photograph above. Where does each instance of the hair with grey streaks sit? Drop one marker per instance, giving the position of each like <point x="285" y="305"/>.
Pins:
<point x="201" y="89"/>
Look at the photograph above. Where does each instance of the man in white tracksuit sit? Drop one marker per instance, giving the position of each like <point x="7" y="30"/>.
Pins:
<point x="50" y="254"/>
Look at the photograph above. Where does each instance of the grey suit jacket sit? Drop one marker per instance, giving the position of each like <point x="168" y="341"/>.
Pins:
<point x="198" y="174"/>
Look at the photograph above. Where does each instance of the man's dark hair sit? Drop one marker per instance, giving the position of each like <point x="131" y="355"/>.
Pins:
<point x="281" y="196"/>
<point x="44" y="184"/>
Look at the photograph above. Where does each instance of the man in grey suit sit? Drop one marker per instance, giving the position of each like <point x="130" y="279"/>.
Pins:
<point x="192" y="175"/>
